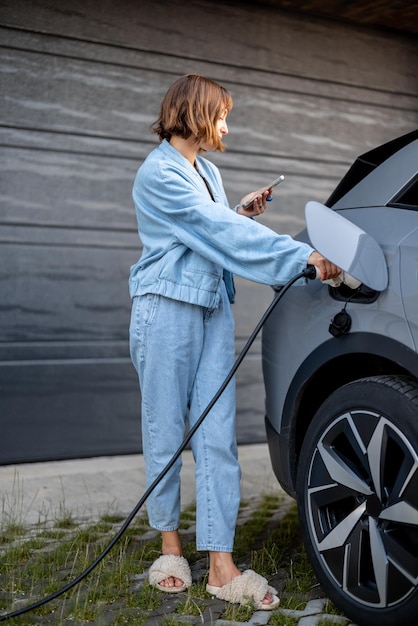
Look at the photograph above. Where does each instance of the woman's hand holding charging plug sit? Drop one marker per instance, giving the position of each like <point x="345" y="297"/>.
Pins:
<point x="257" y="206"/>
<point x="327" y="270"/>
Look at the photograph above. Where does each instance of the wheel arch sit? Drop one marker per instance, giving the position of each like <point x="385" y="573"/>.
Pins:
<point x="332" y="365"/>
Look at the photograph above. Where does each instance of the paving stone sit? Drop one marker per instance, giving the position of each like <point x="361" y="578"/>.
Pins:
<point x="311" y="615"/>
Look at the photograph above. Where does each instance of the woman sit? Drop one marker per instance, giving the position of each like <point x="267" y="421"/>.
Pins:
<point x="182" y="329"/>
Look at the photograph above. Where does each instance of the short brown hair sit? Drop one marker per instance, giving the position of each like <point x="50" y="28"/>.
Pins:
<point x="191" y="107"/>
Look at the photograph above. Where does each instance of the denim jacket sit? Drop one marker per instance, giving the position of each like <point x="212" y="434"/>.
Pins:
<point x="192" y="242"/>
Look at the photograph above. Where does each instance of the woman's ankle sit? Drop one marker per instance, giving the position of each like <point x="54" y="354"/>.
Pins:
<point x="171" y="543"/>
<point x="222" y="568"/>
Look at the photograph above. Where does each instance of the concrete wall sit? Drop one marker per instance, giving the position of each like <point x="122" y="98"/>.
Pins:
<point x="81" y="82"/>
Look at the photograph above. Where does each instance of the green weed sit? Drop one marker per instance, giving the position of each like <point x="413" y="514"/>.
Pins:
<point x="37" y="563"/>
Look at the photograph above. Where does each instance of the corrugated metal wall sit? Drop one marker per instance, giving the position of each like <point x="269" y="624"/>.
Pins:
<point x="81" y="82"/>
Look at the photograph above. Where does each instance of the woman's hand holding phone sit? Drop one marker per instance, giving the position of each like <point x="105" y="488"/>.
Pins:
<point x="255" y="203"/>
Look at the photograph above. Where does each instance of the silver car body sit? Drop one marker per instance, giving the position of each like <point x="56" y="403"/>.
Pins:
<point x="302" y="362"/>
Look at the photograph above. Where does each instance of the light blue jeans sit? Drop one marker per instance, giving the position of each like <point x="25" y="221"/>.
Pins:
<point x="182" y="353"/>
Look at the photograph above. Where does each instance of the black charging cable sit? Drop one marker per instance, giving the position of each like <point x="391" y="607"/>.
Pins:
<point x="309" y="272"/>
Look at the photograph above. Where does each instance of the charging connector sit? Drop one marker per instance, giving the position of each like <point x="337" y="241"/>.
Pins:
<point x="311" y="272"/>
<point x="342" y="279"/>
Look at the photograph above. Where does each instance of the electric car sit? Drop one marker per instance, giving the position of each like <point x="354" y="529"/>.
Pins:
<point x="340" y="369"/>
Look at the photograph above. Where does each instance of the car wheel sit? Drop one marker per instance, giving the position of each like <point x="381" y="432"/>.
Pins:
<point x="357" y="491"/>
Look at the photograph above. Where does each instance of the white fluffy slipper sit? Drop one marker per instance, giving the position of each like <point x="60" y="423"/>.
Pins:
<point x="169" y="565"/>
<point x="249" y="588"/>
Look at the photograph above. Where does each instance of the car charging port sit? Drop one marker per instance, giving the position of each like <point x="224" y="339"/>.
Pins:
<point x="361" y="295"/>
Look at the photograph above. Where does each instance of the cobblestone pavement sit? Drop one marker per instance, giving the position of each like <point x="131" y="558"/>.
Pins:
<point x="311" y="614"/>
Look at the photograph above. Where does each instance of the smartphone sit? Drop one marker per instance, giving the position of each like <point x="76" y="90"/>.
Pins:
<point x="272" y="184"/>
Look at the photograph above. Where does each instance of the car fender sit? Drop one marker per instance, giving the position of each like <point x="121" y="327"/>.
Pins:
<point x="331" y="365"/>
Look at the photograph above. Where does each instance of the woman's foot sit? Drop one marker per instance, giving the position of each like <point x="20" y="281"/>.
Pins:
<point x="222" y="570"/>
<point x="167" y="570"/>
<point x="171" y="544"/>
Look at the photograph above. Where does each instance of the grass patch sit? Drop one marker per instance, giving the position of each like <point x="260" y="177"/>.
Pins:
<point x="36" y="564"/>
<point x="280" y="619"/>
<point x="191" y="606"/>
<point x="331" y="609"/>
<point x="236" y="613"/>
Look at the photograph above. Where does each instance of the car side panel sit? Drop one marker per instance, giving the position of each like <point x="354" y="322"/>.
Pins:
<point x="409" y="282"/>
<point x="323" y="371"/>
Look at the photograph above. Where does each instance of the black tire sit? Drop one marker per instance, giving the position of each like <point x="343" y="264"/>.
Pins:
<point x="357" y="490"/>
